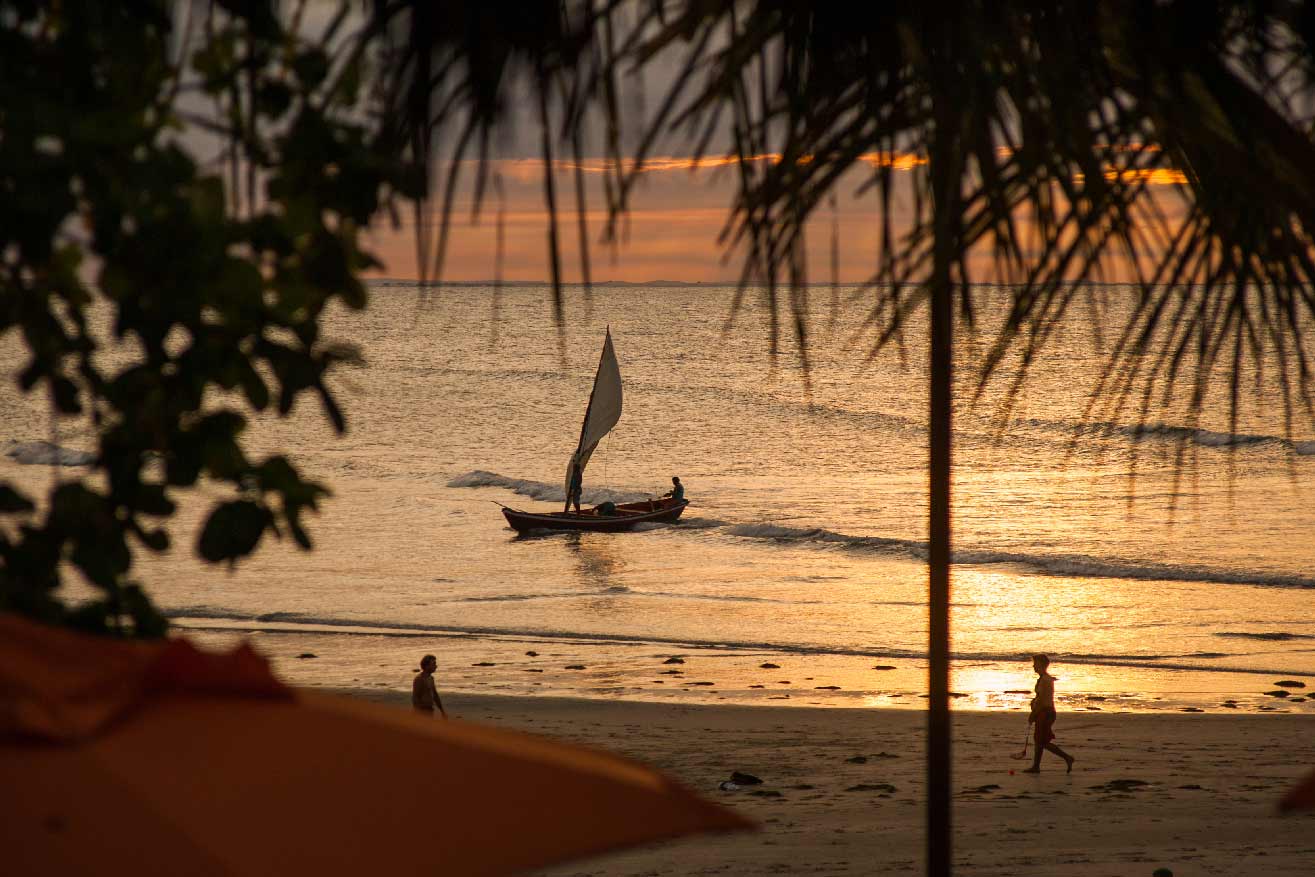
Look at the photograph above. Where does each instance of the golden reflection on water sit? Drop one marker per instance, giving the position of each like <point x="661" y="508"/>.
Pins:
<point x="597" y="562"/>
<point x="600" y="568"/>
<point x="991" y="688"/>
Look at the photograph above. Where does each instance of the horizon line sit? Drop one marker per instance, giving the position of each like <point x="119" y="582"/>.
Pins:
<point x="403" y="281"/>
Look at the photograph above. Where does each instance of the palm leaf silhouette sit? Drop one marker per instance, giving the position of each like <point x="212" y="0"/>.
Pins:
<point x="1053" y="143"/>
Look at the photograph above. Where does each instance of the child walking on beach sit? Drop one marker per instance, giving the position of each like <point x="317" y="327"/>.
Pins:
<point x="1043" y="716"/>
<point x="424" y="693"/>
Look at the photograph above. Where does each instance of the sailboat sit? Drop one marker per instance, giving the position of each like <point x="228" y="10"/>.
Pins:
<point x="601" y="414"/>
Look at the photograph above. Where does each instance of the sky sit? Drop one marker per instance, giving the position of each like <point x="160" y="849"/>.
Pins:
<point x="677" y="216"/>
<point x="673" y="231"/>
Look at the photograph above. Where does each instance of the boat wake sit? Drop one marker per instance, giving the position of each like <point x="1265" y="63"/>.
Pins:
<point x="542" y="491"/>
<point x="1045" y="564"/>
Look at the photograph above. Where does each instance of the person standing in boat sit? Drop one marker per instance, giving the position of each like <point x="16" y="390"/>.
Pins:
<point x="677" y="491"/>
<point x="575" y="489"/>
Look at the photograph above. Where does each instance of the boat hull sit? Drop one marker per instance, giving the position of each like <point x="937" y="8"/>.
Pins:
<point x="628" y="515"/>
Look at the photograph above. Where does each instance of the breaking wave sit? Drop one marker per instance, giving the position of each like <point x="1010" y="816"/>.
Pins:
<point x="543" y="491"/>
<point x="699" y="523"/>
<point x="1046" y="564"/>
<point x="46" y="454"/>
<point x="1056" y="564"/>
<point x="1275" y="636"/>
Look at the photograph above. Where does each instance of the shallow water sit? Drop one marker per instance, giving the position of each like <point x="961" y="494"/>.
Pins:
<point x="803" y="545"/>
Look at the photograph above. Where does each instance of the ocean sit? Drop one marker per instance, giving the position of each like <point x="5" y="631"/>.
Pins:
<point x="1165" y="567"/>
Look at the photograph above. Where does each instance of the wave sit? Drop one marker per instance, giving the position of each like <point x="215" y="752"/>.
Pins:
<point x="699" y="523"/>
<point x="542" y="490"/>
<point x="1206" y="438"/>
<point x="301" y="623"/>
<point x="46" y="454"/>
<point x="971" y="430"/>
<point x="617" y="590"/>
<point x="1048" y="564"/>
<point x="509" y="598"/>
<point x="1275" y="636"/>
<point x="893" y="421"/>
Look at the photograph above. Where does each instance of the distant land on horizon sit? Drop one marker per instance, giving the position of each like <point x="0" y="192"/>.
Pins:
<point x="642" y="284"/>
<point x="394" y="281"/>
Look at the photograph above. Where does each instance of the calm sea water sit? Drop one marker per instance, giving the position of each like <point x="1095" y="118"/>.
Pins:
<point x="1183" y="586"/>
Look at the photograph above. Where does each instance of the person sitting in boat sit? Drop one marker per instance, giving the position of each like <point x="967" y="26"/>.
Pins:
<point x="677" y="491"/>
<point x="576" y="488"/>
<point x="606" y="508"/>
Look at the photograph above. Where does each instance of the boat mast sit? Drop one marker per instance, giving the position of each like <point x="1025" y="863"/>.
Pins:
<point x="602" y="412"/>
<point x="592" y="390"/>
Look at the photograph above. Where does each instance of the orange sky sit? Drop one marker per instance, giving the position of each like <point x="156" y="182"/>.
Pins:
<point x="672" y="230"/>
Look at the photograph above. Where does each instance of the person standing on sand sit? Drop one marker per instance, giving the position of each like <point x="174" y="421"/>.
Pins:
<point x="424" y="693"/>
<point x="1044" y="715"/>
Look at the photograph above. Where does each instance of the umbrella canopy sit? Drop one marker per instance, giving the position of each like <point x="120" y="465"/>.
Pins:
<point x="167" y="766"/>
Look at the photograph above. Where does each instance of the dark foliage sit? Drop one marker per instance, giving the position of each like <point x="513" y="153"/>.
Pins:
<point x="160" y="298"/>
<point x="1034" y="133"/>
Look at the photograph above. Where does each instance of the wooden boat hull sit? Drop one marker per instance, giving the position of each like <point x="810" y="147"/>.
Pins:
<point x="628" y="515"/>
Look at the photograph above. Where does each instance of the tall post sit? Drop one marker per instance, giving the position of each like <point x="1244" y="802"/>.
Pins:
<point x="945" y="168"/>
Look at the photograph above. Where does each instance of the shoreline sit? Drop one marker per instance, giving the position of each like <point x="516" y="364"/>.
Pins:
<point x="667" y="673"/>
<point x="842" y="791"/>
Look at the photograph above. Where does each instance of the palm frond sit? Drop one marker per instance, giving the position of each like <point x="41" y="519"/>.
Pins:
<point x="1070" y="118"/>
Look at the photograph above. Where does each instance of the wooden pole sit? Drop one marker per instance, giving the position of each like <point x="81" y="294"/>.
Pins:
<point x="946" y="164"/>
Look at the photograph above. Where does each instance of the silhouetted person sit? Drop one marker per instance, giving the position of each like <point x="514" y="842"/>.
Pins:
<point x="1043" y="716"/>
<point x="424" y="694"/>
<point x="575" y="488"/>
<point x="677" y="491"/>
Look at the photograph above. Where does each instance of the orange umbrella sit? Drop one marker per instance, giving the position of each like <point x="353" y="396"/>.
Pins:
<point x="1301" y="796"/>
<point x="144" y="758"/>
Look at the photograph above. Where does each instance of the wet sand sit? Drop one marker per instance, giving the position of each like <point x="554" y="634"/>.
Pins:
<point x="842" y="789"/>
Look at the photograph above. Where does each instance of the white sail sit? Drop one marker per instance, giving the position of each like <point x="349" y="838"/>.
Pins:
<point x="603" y="412"/>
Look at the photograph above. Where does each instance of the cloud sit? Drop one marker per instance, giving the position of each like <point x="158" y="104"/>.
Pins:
<point x="530" y="170"/>
<point x="527" y="170"/>
<point x="678" y="211"/>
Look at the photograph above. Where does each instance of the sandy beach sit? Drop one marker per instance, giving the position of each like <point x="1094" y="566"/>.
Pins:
<point x="727" y="386"/>
<point x="842" y="788"/>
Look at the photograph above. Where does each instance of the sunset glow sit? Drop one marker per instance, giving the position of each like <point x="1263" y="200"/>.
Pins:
<point x="782" y="438"/>
<point x="674" y="229"/>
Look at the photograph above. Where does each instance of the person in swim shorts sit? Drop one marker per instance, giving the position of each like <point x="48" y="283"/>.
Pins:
<point x="1043" y="716"/>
